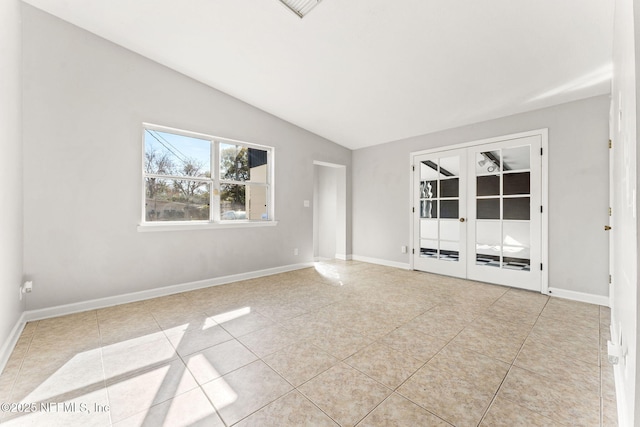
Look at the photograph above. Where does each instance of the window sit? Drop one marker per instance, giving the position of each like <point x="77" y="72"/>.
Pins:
<point x="192" y="178"/>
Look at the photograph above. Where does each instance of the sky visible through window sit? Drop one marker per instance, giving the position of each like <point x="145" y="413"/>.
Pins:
<point x="180" y="149"/>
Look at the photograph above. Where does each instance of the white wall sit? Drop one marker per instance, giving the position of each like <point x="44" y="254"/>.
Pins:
<point x="10" y="173"/>
<point x="624" y="298"/>
<point x="578" y="194"/>
<point x="84" y="102"/>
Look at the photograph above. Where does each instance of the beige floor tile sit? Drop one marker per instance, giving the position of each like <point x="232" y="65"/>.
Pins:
<point x="281" y="311"/>
<point x="68" y="323"/>
<point x="29" y="329"/>
<point x="384" y="364"/>
<point x="244" y="391"/>
<point x="559" y="308"/>
<point x="501" y="327"/>
<point x="339" y="342"/>
<point x="344" y="394"/>
<point x="456" y="400"/>
<point x="605" y="316"/>
<point x="414" y="343"/>
<point x="609" y="413"/>
<point x="21" y="348"/>
<point x="551" y="398"/>
<point x="123" y="329"/>
<point x="543" y="360"/>
<point x="522" y="301"/>
<point x="396" y="411"/>
<point x="484" y="372"/>
<point x="130" y="357"/>
<point x="478" y="339"/>
<point x="607" y="382"/>
<point x="132" y="394"/>
<point x="291" y="410"/>
<point x="443" y="322"/>
<point x="191" y="341"/>
<point x="181" y="318"/>
<point x="240" y="322"/>
<point x="62" y="335"/>
<point x="189" y="409"/>
<point x="168" y="302"/>
<point x="309" y="326"/>
<point x="60" y="379"/>
<point x="134" y="309"/>
<point x="567" y="340"/>
<point x="504" y="413"/>
<point x="218" y="360"/>
<point x="7" y="379"/>
<point x="372" y="325"/>
<point x="505" y="313"/>
<point x="299" y="363"/>
<point x="268" y="340"/>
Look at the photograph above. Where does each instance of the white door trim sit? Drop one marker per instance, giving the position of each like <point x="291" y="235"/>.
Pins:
<point x="544" y="188"/>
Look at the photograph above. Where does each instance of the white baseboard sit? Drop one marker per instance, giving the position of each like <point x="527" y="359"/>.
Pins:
<point x="61" y="310"/>
<point x="343" y="257"/>
<point x="579" y="296"/>
<point x="11" y="341"/>
<point x="621" y="400"/>
<point x="402" y="265"/>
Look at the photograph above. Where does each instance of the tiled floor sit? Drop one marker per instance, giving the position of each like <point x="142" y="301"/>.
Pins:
<point x="345" y="343"/>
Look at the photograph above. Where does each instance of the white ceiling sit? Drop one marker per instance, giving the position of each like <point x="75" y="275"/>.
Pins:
<point x="366" y="72"/>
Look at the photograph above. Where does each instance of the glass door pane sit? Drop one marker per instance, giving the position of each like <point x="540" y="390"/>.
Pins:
<point x="439" y="204"/>
<point x="503" y="207"/>
<point x="439" y="208"/>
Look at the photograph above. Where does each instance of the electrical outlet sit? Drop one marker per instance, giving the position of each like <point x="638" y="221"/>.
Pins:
<point x="295" y="251"/>
<point x="26" y="288"/>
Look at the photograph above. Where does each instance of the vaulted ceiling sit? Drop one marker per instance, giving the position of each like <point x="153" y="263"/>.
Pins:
<point x="366" y="72"/>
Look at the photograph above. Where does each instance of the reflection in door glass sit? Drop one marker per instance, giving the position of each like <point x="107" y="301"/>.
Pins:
<point x="429" y="189"/>
<point x="516" y="158"/>
<point x="516" y="245"/>
<point x="439" y="208"/>
<point x="487" y="162"/>
<point x="429" y="209"/>
<point x="488" y="247"/>
<point x="503" y="208"/>
<point x="428" y="248"/>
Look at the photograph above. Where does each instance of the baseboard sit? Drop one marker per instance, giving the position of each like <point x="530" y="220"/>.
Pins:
<point x="579" y="296"/>
<point x="11" y="341"/>
<point x="343" y="257"/>
<point x="621" y="401"/>
<point x="387" y="263"/>
<point x="61" y="310"/>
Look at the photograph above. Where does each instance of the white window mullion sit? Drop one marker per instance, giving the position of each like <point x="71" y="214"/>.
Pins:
<point x="215" y="176"/>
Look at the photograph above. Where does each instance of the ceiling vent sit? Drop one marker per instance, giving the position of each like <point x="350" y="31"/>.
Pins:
<point x="300" y="7"/>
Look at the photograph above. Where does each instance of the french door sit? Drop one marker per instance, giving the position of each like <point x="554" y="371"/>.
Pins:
<point x="478" y="212"/>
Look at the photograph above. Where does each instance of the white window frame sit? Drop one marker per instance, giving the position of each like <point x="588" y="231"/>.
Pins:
<point x="215" y="220"/>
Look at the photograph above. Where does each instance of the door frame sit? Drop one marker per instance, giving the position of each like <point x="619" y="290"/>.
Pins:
<point x="544" y="190"/>
<point x="340" y="221"/>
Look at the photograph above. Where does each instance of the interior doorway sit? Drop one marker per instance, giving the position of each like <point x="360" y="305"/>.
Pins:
<point x="329" y="211"/>
<point x="479" y="211"/>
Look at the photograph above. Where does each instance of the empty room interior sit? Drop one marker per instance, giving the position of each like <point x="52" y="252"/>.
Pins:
<point x="319" y="212"/>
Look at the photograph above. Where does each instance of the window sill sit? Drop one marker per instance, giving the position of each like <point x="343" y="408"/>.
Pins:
<point x="177" y="226"/>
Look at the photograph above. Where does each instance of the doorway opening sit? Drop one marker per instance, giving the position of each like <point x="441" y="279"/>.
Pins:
<point x="329" y="211"/>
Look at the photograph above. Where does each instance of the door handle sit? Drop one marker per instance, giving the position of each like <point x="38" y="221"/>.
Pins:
<point x="462" y="220"/>
<point x="607" y="228"/>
